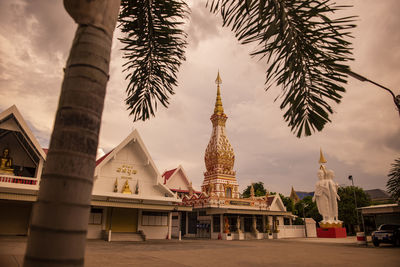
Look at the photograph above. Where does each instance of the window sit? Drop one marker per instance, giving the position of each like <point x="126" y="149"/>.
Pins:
<point x="216" y="224"/>
<point x="95" y="216"/>
<point x="153" y="218"/>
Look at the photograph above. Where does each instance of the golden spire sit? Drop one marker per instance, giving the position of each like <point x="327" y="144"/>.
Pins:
<point x="219" y="110"/>
<point x="321" y="157"/>
<point x="116" y="185"/>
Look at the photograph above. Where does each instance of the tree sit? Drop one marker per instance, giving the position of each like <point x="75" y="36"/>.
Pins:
<point x="259" y="190"/>
<point x="288" y="202"/>
<point x="61" y="214"/>
<point x="393" y="184"/>
<point x="309" y="207"/>
<point x="306" y="50"/>
<point x="346" y="205"/>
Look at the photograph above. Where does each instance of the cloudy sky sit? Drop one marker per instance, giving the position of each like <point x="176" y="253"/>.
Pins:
<point x="362" y="140"/>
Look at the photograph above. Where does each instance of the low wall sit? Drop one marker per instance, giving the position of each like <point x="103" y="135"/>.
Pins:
<point x="287" y="231"/>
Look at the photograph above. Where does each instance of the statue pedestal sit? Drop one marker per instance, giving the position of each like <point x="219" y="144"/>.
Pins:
<point x="333" y="232"/>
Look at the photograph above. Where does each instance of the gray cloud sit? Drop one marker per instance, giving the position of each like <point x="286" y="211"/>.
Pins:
<point x="202" y="25"/>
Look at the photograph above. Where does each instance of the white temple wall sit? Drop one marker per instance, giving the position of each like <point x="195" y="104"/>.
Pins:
<point x="133" y="157"/>
<point x="159" y="231"/>
<point x="178" y="182"/>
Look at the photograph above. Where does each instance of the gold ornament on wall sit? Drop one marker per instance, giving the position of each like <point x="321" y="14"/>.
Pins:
<point x="126" y="189"/>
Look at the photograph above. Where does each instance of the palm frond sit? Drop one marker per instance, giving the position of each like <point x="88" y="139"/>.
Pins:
<point x="393" y="184"/>
<point x="306" y="52"/>
<point x="154" y="49"/>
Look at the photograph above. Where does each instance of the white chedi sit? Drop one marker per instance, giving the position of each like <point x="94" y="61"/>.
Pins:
<point x="326" y="198"/>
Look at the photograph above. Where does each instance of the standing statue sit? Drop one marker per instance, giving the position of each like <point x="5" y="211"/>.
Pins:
<point x="334" y="197"/>
<point x="326" y="196"/>
<point x="321" y="196"/>
<point x="238" y="225"/>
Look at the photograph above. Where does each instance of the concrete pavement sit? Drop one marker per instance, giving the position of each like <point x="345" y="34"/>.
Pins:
<point x="283" y="252"/>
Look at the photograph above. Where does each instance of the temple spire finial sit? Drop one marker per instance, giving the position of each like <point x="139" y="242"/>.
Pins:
<point x="218" y="103"/>
<point x="321" y="157"/>
<point x="218" y="80"/>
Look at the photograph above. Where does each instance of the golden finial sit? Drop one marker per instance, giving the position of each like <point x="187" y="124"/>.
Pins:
<point x="321" y="157"/>
<point x="218" y="81"/>
<point x="218" y="103"/>
<point x="116" y="185"/>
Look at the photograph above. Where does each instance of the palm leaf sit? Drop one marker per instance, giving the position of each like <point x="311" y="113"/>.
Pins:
<point x="154" y="49"/>
<point x="393" y="184"/>
<point x="306" y="51"/>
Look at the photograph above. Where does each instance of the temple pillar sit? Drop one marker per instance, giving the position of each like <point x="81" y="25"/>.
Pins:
<point x="221" y="223"/>
<point x="187" y="222"/>
<point x="238" y="225"/>
<point x="270" y="223"/>
<point x="254" y="225"/>
<point x="169" y="224"/>
<point x="263" y="223"/>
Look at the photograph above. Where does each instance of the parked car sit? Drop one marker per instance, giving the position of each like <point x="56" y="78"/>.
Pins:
<point x="387" y="233"/>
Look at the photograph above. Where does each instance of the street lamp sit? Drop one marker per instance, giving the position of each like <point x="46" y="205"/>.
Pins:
<point x="355" y="201"/>
<point x="396" y="99"/>
<point x="304" y="218"/>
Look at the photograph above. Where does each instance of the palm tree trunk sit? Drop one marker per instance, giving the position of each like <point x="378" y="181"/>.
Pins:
<point x="60" y="216"/>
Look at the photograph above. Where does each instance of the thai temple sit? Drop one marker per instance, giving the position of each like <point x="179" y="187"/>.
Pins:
<point x="221" y="212"/>
<point x="133" y="201"/>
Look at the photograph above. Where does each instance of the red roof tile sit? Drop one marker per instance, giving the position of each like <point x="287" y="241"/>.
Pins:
<point x="184" y="191"/>
<point x="103" y="157"/>
<point x="167" y="174"/>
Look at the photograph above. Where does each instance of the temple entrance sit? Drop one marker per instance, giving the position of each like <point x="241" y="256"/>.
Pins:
<point x="124" y="220"/>
<point x="248" y="222"/>
<point x="15" y="217"/>
<point x="192" y="222"/>
<point x="183" y="223"/>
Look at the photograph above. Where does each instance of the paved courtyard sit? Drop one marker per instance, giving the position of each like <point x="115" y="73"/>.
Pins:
<point x="284" y="252"/>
